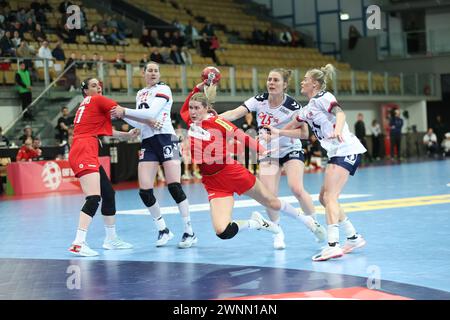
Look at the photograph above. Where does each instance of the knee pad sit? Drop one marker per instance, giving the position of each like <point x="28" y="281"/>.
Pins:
<point x="147" y="197"/>
<point x="91" y="205"/>
<point x="230" y="231"/>
<point x="177" y="192"/>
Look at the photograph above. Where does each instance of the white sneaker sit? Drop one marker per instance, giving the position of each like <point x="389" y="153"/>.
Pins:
<point x="329" y="253"/>
<point x="197" y="175"/>
<point x="187" y="241"/>
<point x="116" y="244"/>
<point x="265" y="224"/>
<point x="316" y="228"/>
<point x="352" y="244"/>
<point x="83" y="250"/>
<point x="278" y="240"/>
<point x="163" y="237"/>
<point x="186" y="177"/>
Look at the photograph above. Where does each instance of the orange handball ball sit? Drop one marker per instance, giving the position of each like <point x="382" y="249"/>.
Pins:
<point x="211" y="75"/>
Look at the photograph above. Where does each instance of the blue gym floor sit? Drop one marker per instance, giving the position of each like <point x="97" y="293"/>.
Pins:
<point x="407" y="253"/>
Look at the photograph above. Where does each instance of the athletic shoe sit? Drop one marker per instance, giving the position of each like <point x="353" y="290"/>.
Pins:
<point x="316" y="228"/>
<point x="163" y="237"/>
<point x="116" y="244"/>
<point x="186" y="176"/>
<point x="187" y="241"/>
<point x="197" y="175"/>
<point x="265" y="224"/>
<point x="278" y="240"/>
<point x="329" y="253"/>
<point x="352" y="244"/>
<point x="83" y="250"/>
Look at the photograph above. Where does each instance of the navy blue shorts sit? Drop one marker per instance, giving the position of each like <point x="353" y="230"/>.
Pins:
<point x="293" y="155"/>
<point x="160" y="148"/>
<point x="350" y="162"/>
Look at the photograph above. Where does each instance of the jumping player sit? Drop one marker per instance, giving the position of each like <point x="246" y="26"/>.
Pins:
<point x="93" y="120"/>
<point x="275" y="108"/>
<point x="160" y="145"/>
<point x="327" y="120"/>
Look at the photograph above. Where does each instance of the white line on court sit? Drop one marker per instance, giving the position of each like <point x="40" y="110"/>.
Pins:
<point x="237" y="204"/>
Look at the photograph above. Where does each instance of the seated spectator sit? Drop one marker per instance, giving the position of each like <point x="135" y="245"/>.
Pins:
<point x="71" y="75"/>
<point x="38" y="34"/>
<point x="117" y="38"/>
<point x="44" y="53"/>
<point x="95" y="36"/>
<point x="93" y="65"/>
<point x="83" y="63"/>
<point x="4" y="142"/>
<point x="192" y="35"/>
<point x="7" y="46"/>
<point x="27" y="133"/>
<point x="27" y="53"/>
<point x="67" y="35"/>
<point x="205" y="46"/>
<point x="21" y="16"/>
<point x="208" y="29"/>
<point x="58" y="52"/>
<point x="145" y="39"/>
<point x="446" y="144"/>
<point x="257" y="36"/>
<point x="156" y="56"/>
<point x="175" y="55"/>
<point x="16" y="40"/>
<point x="29" y="25"/>
<point x="120" y="61"/>
<point x="28" y="152"/>
<point x="177" y="39"/>
<point x="285" y="38"/>
<point x="155" y="41"/>
<point x="166" y="39"/>
<point x="62" y="127"/>
<point x="165" y="55"/>
<point x="186" y="55"/>
<point x="143" y="62"/>
<point x="430" y="142"/>
<point x="215" y="45"/>
<point x="17" y="26"/>
<point x="181" y="27"/>
<point x="271" y="37"/>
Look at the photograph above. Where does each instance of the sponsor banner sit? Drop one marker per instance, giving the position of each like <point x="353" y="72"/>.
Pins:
<point x="46" y="176"/>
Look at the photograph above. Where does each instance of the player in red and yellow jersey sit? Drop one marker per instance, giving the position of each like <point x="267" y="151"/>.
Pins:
<point x="93" y="120"/>
<point x="222" y="175"/>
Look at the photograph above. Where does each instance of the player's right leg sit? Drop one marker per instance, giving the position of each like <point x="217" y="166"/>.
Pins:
<point x="90" y="184"/>
<point x="147" y="171"/>
<point x="269" y="176"/>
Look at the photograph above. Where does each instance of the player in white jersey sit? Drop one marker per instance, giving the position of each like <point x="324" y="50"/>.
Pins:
<point x="275" y="108"/>
<point x="160" y="145"/>
<point x="327" y="120"/>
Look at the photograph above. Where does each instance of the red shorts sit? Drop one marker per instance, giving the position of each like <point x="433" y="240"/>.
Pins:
<point x="233" y="178"/>
<point x="83" y="156"/>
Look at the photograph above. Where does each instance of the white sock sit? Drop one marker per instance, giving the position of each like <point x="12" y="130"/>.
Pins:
<point x="349" y="230"/>
<point x="160" y="223"/>
<point x="110" y="232"/>
<point x="183" y="207"/>
<point x="333" y="233"/>
<point x="187" y="225"/>
<point x="247" y="224"/>
<point x="290" y="210"/>
<point x="80" y="237"/>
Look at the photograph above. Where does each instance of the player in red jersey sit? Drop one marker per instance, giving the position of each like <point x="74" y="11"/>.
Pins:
<point x="92" y="121"/>
<point x="222" y="175"/>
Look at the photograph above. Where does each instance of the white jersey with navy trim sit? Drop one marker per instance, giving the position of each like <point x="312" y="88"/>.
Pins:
<point x="158" y="101"/>
<point x="317" y="113"/>
<point x="276" y="117"/>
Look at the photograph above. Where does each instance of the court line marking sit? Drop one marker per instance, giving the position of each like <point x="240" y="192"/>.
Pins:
<point x="237" y="204"/>
<point x="371" y="205"/>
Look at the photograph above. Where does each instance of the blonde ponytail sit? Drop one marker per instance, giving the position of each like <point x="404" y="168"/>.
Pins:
<point x="323" y="75"/>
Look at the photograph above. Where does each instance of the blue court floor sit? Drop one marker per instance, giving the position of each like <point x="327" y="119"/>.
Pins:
<point x="403" y="211"/>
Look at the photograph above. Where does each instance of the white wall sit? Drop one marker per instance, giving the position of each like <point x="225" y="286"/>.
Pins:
<point x="417" y="115"/>
<point x="8" y="114"/>
<point x="370" y="111"/>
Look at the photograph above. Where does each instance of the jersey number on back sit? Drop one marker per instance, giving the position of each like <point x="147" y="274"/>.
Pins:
<point x="79" y="114"/>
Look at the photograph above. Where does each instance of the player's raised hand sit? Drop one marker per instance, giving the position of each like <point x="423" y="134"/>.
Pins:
<point x="118" y="112"/>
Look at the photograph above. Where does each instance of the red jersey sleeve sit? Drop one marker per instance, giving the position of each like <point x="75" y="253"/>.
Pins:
<point x="104" y="103"/>
<point x="184" y="112"/>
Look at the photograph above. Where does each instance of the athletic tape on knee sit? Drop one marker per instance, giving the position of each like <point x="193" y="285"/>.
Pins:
<point x="177" y="192"/>
<point x="91" y="205"/>
<point x="147" y="197"/>
<point x="230" y="231"/>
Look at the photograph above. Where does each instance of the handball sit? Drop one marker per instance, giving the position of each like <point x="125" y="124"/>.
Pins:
<point x="211" y="75"/>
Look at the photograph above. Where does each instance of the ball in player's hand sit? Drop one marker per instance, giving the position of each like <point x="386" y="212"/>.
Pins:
<point x="211" y="75"/>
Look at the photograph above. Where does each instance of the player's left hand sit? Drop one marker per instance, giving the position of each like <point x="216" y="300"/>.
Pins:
<point x="117" y="112"/>
<point x="134" y="133"/>
<point x="337" y="135"/>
